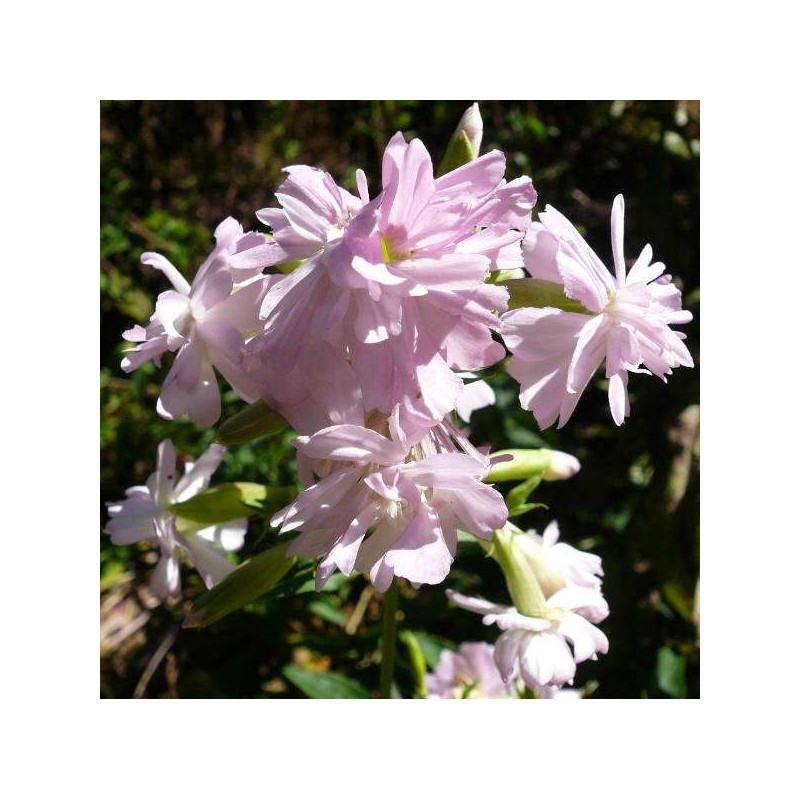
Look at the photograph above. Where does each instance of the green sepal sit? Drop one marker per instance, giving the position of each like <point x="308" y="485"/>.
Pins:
<point x="522" y="583"/>
<point x="459" y="152"/>
<point x="325" y="685"/>
<point x="536" y="293"/>
<point x="229" y="501"/>
<point x="244" y="585"/>
<point x="504" y="275"/>
<point x="256" y="420"/>
<point x="289" y="266"/>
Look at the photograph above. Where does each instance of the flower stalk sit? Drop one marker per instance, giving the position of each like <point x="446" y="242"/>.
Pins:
<point x="389" y="641"/>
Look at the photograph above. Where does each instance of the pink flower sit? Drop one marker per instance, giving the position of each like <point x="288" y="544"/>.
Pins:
<point x="626" y="324"/>
<point x="385" y="506"/>
<point x="207" y="323"/>
<point x="396" y="289"/>
<point x="469" y="673"/>
<point x="144" y="516"/>
<point x="543" y="650"/>
<point x="314" y="212"/>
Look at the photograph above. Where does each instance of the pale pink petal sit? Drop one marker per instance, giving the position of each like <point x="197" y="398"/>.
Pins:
<point x="212" y="564"/>
<point x="475" y="395"/>
<point x="197" y="475"/>
<point x="618" y="396"/>
<point x="617" y="237"/>
<point x="227" y="535"/>
<point x="158" y="261"/>
<point x="191" y="388"/>
<point x="166" y="578"/>
<point x="349" y="443"/>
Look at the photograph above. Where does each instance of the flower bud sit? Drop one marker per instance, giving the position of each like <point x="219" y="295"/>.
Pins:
<point x="562" y="466"/>
<point x="519" y="465"/>
<point x="472" y="125"/>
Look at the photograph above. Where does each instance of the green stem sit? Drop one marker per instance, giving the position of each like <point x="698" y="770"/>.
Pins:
<point x="389" y="642"/>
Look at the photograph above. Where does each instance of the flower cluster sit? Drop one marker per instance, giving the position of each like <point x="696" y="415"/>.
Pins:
<point x="358" y="318"/>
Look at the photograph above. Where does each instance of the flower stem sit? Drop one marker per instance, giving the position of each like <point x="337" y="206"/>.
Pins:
<point x="389" y="642"/>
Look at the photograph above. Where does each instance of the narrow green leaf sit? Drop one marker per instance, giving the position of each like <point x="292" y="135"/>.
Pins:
<point x="246" y="584"/>
<point x="522" y="508"/>
<point x="230" y="501"/>
<point x="517" y="498"/>
<point x="324" y="610"/>
<point x="256" y="420"/>
<point x="325" y="685"/>
<point x="431" y="646"/>
<point x="417" y="659"/>
<point x="535" y="293"/>
<point x="671" y="673"/>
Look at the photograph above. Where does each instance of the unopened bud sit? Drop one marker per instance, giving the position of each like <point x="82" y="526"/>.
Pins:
<point x="472" y="125"/>
<point x="519" y="465"/>
<point x="465" y="143"/>
<point x="562" y="466"/>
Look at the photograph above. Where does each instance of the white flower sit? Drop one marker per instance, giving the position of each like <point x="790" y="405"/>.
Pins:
<point x="543" y="650"/>
<point x="558" y="565"/>
<point x="144" y="516"/>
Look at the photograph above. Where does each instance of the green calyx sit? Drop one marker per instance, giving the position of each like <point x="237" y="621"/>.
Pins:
<point x="523" y="586"/>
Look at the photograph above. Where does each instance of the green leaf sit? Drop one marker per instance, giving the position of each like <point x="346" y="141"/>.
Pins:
<point x="417" y="658"/>
<point x="431" y="646"/>
<point x="517" y="498"/>
<point x="325" y="685"/>
<point x="250" y="423"/>
<point x="459" y="152"/>
<point x="244" y="585"/>
<point x="333" y="584"/>
<point x="535" y="293"/>
<point x="324" y="610"/>
<point x="671" y="673"/>
<point x="229" y="501"/>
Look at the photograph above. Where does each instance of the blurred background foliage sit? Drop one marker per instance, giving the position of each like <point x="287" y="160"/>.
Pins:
<point x="171" y="171"/>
